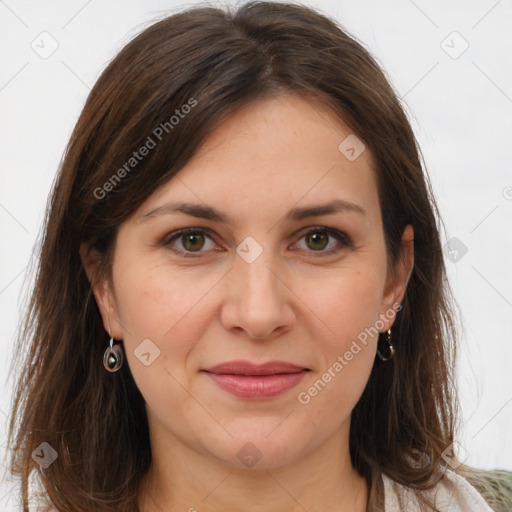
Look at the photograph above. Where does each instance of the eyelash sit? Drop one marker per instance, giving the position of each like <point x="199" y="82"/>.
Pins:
<point x="341" y="237"/>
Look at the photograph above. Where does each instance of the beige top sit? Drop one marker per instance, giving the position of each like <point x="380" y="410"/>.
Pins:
<point x="452" y="494"/>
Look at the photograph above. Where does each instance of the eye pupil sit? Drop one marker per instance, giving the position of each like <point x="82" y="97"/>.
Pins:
<point x="318" y="237"/>
<point x="193" y="238"/>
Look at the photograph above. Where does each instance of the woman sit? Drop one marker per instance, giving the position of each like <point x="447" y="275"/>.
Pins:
<point x="241" y="302"/>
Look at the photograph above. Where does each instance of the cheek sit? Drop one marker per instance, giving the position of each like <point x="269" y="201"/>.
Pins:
<point x="348" y="305"/>
<point x="169" y="310"/>
<point x="156" y="301"/>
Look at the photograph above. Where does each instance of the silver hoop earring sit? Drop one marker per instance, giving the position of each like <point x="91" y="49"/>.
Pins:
<point x="113" y="357"/>
<point x="391" y="348"/>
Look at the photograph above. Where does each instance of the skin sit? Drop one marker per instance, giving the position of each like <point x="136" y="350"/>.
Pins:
<point x="292" y="303"/>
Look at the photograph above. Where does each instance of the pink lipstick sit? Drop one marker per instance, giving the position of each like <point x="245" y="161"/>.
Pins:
<point x="256" y="381"/>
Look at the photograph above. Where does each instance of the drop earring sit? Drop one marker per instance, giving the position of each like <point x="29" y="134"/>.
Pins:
<point x="391" y="348"/>
<point x="113" y="357"/>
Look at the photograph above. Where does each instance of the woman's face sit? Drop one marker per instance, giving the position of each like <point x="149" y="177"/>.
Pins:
<point x="273" y="281"/>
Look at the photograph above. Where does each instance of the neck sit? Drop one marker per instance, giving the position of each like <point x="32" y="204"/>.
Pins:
<point x="182" y="479"/>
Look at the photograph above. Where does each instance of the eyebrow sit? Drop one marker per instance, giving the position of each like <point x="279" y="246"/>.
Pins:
<point x="203" y="211"/>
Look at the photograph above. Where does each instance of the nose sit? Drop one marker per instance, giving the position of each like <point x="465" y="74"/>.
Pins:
<point x="258" y="298"/>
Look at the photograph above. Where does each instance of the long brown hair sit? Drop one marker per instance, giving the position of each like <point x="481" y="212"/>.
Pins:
<point x="216" y="61"/>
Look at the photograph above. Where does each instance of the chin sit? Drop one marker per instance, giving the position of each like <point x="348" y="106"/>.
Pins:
<point x="260" y="448"/>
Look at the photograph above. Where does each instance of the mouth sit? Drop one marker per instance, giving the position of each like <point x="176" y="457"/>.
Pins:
<point x="256" y="381"/>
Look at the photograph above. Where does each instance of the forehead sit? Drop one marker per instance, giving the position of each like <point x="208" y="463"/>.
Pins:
<point x="270" y="156"/>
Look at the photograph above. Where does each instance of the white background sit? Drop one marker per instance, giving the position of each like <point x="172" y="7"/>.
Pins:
<point x="460" y="109"/>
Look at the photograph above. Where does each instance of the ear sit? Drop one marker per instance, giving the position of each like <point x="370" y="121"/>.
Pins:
<point x="102" y="290"/>
<point x="396" y="283"/>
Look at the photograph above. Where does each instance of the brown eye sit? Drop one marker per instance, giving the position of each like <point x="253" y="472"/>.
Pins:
<point x="325" y="241"/>
<point x="317" y="240"/>
<point x="193" y="241"/>
<point x="190" y="241"/>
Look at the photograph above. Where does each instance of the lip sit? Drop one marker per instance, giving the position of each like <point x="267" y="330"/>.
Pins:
<point x="247" y="368"/>
<point x="257" y="381"/>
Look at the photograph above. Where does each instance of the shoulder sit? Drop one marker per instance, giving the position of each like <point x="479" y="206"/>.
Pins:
<point x="452" y="493"/>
